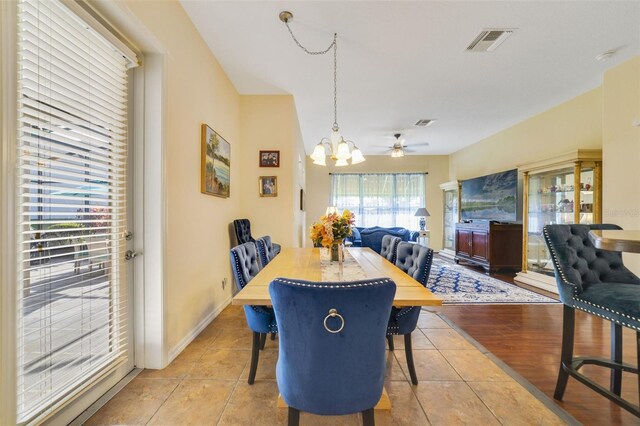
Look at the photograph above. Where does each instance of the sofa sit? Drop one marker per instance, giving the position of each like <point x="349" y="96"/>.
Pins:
<point x="372" y="237"/>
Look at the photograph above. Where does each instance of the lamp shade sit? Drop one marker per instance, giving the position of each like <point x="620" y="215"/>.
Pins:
<point x="422" y="212"/>
<point x="356" y="156"/>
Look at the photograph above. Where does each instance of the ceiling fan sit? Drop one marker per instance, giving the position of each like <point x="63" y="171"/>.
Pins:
<point x="399" y="148"/>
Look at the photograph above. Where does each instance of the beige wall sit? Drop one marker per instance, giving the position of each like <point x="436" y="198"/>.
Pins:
<point x="197" y="239"/>
<point x="621" y="149"/>
<point x="271" y="123"/>
<point x="573" y="124"/>
<point x="319" y="187"/>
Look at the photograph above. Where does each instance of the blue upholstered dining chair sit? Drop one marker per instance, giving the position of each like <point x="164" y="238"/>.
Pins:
<point x="261" y="319"/>
<point x="389" y="246"/>
<point x="332" y="351"/>
<point x="595" y="281"/>
<point x="265" y="249"/>
<point x="242" y="228"/>
<point x="415" y="260"/>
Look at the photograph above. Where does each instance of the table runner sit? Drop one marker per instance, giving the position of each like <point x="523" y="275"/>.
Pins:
<point x="331" y="271"/>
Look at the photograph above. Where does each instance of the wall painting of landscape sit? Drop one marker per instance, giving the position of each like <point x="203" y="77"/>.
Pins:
<point x="215" y="164"/>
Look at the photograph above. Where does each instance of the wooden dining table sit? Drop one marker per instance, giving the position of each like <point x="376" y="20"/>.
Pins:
<point x="305" y="264"/>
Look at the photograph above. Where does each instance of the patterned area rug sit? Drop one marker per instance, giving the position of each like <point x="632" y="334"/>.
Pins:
<point x="457" y="285"/>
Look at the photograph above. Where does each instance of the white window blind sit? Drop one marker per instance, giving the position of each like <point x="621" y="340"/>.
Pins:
<point x="72" y="152"/>
<point x="380" y="199"/>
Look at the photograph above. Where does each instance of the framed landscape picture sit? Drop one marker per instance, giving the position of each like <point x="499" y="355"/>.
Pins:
<point x="268" y="186"/>
<point x="269" y="158"/>
<point x="215" y="172"/>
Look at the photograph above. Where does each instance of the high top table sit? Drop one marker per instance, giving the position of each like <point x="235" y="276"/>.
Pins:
<point x="616" y="240"/>
<point x="305" y="264"/>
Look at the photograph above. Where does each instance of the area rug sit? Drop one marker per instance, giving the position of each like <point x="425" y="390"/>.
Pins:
<point x="456" y="284"/>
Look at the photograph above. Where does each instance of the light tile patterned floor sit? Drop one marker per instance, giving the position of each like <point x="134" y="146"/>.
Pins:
<point x="207" y="385"/>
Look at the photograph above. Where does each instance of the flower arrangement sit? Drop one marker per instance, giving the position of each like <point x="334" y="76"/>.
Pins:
<point x="332" y="227"/>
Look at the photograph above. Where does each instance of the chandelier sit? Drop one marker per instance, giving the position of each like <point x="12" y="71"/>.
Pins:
<point x="339" y="149"/>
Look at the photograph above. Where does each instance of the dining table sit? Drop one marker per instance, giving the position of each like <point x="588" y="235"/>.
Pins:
<point x="616" y="240"/>
<point x="313" y="264"/>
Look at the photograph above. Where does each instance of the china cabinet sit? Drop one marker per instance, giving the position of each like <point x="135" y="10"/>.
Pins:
<point x="450" y="215"/>
<point x="561" y="190"/>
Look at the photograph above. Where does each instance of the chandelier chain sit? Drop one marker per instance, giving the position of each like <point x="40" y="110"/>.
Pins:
<point x="334" y="46"/>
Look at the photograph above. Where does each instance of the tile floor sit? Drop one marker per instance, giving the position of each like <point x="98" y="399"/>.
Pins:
<point x="207" y="385"/>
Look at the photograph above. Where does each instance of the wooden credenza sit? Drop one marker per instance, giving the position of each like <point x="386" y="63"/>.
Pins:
<point x="491" y="245"/>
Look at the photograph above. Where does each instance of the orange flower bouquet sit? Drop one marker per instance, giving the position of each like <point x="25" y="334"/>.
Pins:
<point x="332" y="228"/>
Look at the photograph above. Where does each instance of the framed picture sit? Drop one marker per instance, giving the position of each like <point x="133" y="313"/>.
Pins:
<point x="301" y="199"/>
<point x="269" y="158"/>
<point x="215" y="163"/>
<point x="268" y="186"/>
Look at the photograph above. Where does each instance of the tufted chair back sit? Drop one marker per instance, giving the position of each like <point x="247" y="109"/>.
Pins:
<point x="243" y="231"/>
<point x="415" y="260"/>
<point x="265" y="250"/>
<point x="245" y="263"/>
<point x="389" y="246"/>
<point x="578" y="264"/>
<point x="331" y="372"/>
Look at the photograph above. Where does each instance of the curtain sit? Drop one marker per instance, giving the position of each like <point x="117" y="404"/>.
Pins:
<point x="380" y="199"/>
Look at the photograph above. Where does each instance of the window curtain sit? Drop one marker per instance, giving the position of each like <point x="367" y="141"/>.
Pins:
<point x="380" y="199"/>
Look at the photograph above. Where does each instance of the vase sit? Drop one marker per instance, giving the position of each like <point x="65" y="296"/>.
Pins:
<point x="337" y="251"/>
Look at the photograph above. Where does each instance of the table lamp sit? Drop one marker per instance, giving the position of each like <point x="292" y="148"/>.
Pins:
<point x="422" y="213"/>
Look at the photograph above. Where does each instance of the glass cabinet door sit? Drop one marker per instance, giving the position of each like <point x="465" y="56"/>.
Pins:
<point x="552" y="199"/>
<point x="450" y="215"/>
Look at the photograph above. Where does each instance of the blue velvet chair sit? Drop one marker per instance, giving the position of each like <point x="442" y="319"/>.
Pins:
<point x="389" y="246"/>
<point x="332" y="351"/>
<point x="415" y="260"/>
<point x="265" y="250"/>
<point x="595" y="281"/>
<point x="242" y="228"/>
<point x="261" y="319"/>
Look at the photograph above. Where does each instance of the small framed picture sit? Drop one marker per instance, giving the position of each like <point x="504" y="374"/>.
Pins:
<point x="268" y="186"/>
<point x="269" y="158"/>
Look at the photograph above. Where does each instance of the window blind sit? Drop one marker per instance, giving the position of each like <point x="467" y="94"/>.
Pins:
<point x="380" y="199"/>
<point x="72" y="155"/>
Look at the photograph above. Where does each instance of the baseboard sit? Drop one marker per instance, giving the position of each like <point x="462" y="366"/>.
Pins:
<point x="175" y="351"/>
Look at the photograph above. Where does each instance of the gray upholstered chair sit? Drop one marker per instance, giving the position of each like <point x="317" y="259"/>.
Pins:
<point x="389" y="246"/>
<point x="595" y="281"/>
<point x="261" y="319"/>
<point x="415" y="260"/>
<point x="265" y="250"/>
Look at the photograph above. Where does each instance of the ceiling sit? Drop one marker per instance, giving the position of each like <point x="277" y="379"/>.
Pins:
<point x="399" y="62"/>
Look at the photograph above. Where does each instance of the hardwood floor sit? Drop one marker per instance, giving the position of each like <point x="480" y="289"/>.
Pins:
<point x="527" y="338"/>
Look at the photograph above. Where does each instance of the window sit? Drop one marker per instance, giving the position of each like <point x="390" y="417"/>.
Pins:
<point x="380" y="199"/>
<point x="71" y="206"/>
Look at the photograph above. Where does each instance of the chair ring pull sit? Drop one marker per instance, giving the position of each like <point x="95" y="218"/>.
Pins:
<point x="333" y="313"/>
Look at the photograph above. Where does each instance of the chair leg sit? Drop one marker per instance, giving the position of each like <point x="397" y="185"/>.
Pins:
<point x="263" y="340"/>
<point x="616" y="356"/>
<point x="638" y="355"/>
<point x="255" y="353"/>
<point x="568" y="328"/>
<point x="368" y="418"/>
<point x="294" y="417"/>
<point x="273" y="336"/>
<point x="390" y="342"/>
<point x="408" y="350"/>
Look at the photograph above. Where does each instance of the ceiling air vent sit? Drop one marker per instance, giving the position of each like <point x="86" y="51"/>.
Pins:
<point x="489" y="39"/>
<point x="424" y="122"/>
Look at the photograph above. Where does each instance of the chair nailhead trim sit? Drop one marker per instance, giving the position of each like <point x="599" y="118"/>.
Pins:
<point x="344" y="285"/>
<point x="607" y="309"/>
<point x="606" y="317"/>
